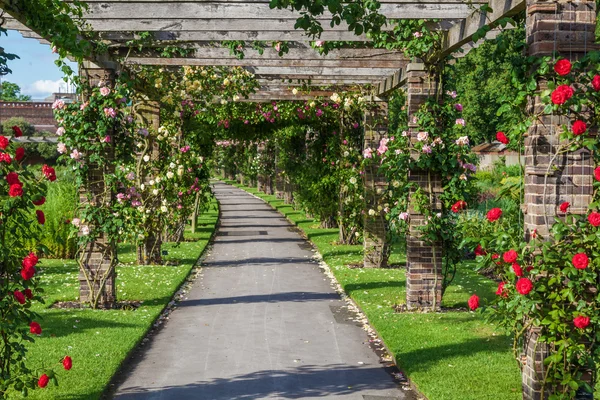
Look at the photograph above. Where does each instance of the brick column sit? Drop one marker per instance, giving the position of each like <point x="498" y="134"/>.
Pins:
<point x="98" y="257"/>
<point x="569" y="29"/>
<point x="375" y="226"/>
<point x="149" y="251"/>
<point x="424" y="261"/>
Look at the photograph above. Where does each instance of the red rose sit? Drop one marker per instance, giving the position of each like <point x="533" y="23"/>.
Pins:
<point x="510" y="256"/>
<point x="27" y="292"/>
<point x="39" y="201"/>
<point x="19" y="153"/>
<point x="19" y="296"/>
<point x="581" y="261"/>
<point x="40" y="217"/>
<point x="597" y="173"/>
<point x="564" y="206"/>
<point x="5" y="157"/>
<point x="35" y="328"/>
<point x="43" y="381"/>
<point x="473" y="302"/>
<point x="459" y="206"/>
<point x="494" y="214"/>
<point x="49" y="173"/>
<point x="495" y="256"/>
<point x="3" y="142"/>
<point x="27" y="273"/>
<point x="579" y="127"/>
<point x="524" y="285"/>
<point x="562" y="67"/>
<point x="15" y="190"/>
<point x="561" y="94"/>
<point x="479" y="251"/>
<point x="501" y="137"/>
<point x="501" y="291"/>
<point x="67" y="363"/>
<point x="581" y="322"/>
<point x="594" y="218"/>
<point x="17" y="131"/>
<point x="13" y="178"/>
<point x="596" y="83"/>
<point x="517" y="269"/>
<point x="30" y="260"/>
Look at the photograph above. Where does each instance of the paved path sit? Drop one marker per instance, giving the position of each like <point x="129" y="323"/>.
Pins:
<point x="259" y="323"/>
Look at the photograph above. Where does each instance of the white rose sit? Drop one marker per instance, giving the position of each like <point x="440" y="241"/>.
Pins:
<point x="294" y="91"/>
<point x="164" y="209"/>
<point x="151" y="182"/>
<point x="146" y="158"/>
<point x="141" y="208"/>
<point x="155" y="192"/>
<point x="172" y="165"/>
<point x="142" y="186"/>
<point x="170" y="175"/>
<point x="85" y="230"/>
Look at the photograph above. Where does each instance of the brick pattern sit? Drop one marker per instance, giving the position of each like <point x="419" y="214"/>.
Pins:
<point x="149" y="251"/>
<point x="375" y="227"/>
<point x="566" y="27"/>
<point x="36" y="113"/>
<point x="99" y="257"/>
<point x="424" y="261"/>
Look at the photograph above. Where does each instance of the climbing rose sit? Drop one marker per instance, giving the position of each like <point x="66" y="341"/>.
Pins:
<point x="517" y="270"/>
<point x="494" y="214"/>
<point x="27" y="273"/>
<point x="581" y="322"/>
<point x="16" y="190"/>
<point x="67" y="363"/>
<point x="19" y="296"/>
<point x="3" y="142"/>
<point x="578" y="127"/>
<point x="479" y="251"/>
<point x="561" y="94"/>
<point x="581" y="261"/>
<point x="13" y="178"/>
<point x="596" y="83"/>
<point x="501" y="137"/>
<point x="43" y="381"/>
<point x="510" y="256"/>
<point x="562" y="67"/>
<point x="35" y="328"/>
<point x="40" y="217"/>
<point x="17" y="131"/>
<point x="19" y="153"/>
<point x="597" y="173"/>
<point x="594" y="218"/>
<point x="459" y="206"/>
<point x="27" y="292"/>
<point x="500" y="291"/>
<point x="39" y="201"/>
<point x="473" y="302"/>
<point x="49" y="173"/>
<point x="5" y="157"/>
<point x="565" y="206"/>
<point x="524" y="285"/>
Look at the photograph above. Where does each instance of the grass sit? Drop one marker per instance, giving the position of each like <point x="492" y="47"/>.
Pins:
<point x="100" y="340"/>
<point x="453" y="355"/>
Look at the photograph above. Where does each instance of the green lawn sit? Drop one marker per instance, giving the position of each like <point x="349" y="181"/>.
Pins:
<point x="453" y="355"/>
<point x="99" y="340"/>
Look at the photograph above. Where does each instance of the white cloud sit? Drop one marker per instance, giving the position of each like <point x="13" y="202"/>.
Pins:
<point x="44" y="88"/>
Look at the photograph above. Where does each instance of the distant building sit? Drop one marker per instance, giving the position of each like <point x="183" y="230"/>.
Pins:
<point x="491" y="152"/>
<point x="38" y="113"/>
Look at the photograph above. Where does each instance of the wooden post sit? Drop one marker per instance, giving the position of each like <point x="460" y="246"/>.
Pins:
<point x="424" y="261"/>
<point x="376" y="246"/>
<point x="568" y="28"/>
<point x="99" y="258"/>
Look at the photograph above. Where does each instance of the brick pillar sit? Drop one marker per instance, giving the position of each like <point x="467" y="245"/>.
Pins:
<point x="375" y="226"/>
<point x="98" y="259"/>
<point x="424" y="261"/>
<point x="149" y="251"/>
<point x="569" y="29"/>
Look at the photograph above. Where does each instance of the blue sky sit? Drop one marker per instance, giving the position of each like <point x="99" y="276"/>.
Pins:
<point x="35" y="71"/>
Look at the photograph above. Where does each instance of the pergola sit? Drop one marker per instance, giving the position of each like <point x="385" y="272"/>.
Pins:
<point x="199" y="25"/>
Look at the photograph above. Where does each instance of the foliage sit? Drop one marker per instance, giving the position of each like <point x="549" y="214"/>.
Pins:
<point x="12" y="92"/>
<point x="46" y="151"/>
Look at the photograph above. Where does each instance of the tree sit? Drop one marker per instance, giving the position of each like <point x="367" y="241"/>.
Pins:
<point x="12" y="92"/>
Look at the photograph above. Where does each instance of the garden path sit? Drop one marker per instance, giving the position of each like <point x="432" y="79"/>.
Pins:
<point x="261" y="322"/>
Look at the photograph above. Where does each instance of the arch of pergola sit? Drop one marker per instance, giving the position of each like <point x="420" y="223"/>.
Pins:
<point x="201" y="25"/>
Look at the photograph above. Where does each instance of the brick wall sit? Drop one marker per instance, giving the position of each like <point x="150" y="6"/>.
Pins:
<point x="424" y="261"/>
<point x="569" y="29"/>
<point x="375" y="226"/>
<point x="39" y="114"/>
